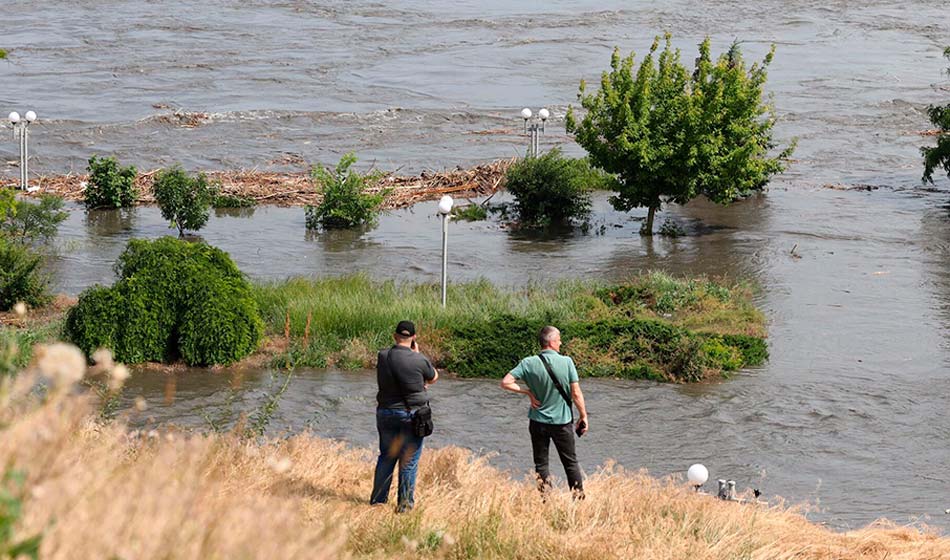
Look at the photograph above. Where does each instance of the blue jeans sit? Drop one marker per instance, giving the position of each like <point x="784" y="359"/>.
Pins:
<point x="397" y="442"/>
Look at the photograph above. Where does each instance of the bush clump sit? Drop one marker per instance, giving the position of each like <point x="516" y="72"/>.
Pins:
<point x="173" y="300"/>
<point x="109" y="185"/>
<point x="347" y="200"/>
<point x="21" y="277"/>
<point x="29" y="223"/>
<point x="185" y="201"/>
<point x="553" y="189"/>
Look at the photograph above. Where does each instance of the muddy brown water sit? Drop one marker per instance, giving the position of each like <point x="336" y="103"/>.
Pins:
<point x="849" y="413"/>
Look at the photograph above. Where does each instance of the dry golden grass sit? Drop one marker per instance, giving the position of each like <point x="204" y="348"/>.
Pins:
<point x="103" y="491"/>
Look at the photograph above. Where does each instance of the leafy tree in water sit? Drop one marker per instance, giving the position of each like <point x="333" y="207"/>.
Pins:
<point x="670" y="135"/>
<point x="939" y="155"/>
<point x="184" y="200"/>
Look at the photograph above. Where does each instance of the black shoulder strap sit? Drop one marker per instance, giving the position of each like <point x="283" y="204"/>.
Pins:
<point x="557" y="385"/>
<point x="396" y="381"/>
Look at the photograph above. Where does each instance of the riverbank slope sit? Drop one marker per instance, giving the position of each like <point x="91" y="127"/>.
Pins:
<point x="98" y="490"/>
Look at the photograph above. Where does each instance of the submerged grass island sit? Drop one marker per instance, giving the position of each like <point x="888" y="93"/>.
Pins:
<point x="653" y="326"/>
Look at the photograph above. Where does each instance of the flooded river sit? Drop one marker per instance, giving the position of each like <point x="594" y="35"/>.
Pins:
<point x="850" y="411"/>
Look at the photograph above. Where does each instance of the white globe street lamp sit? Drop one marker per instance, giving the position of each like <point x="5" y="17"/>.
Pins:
<point x="697" y="475"/>
<point x="445" y="210"/>
<point x="534" y="130"/>
<point x="21" y="131"/>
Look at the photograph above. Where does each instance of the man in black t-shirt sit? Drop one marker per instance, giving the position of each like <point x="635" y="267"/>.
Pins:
<point x="402" y="374"/>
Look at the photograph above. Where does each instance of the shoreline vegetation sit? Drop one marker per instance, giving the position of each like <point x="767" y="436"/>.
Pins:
<point x="297" y="189"/>
<point x="652" y="326"/>
<point x="77" y="486"/>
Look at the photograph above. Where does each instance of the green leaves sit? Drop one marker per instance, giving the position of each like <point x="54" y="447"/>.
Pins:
<point x="552" y="189"/>
<point x="185" y="201"/>
<point x="173" y="299"/>
<point x="109" y="186"/>
<point x="670" y="135"/>
<point x="11" y="509"/>
<point x="347" y="200"/>
<point x="938" y="156"/>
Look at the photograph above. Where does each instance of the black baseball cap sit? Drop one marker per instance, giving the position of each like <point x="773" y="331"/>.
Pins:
<point x="406" y="328"/>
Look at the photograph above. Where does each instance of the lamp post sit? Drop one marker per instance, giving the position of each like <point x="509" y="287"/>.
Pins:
<point x="445" y="210"/>
<point x="697" y="475"/>
<point x="21" y="131"/>
<point x="534" y="130"/>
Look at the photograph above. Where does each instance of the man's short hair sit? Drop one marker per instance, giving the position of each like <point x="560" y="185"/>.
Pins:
<point x="547" y="335"/>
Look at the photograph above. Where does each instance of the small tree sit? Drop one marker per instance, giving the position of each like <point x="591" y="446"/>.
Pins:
<point x="109" y="186"/>
<point x="670" y="136"/>
<point x="939" y="155"/>
<point x="31" y="222"/>
<point x="185" y="201"/>
<point x="347" y="200"/>
<point x="552" y="189"/>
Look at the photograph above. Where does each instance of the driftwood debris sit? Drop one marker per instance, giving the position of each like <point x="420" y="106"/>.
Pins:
<point x="296" y="189"/>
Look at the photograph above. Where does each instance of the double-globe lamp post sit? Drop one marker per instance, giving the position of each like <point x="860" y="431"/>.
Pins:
<point x="21" y="130"/>
<point x="445" y="210"/>
<point x="534" y="130"/>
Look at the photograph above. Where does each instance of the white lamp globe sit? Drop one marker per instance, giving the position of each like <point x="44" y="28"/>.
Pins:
<point x="445" y="205"/>
<point x="14" y="117"/>
<point x="30" y="116"/>
<point x="526" y="113"/>
<point x="697" y="474"/>
<point x="544" y="114"/>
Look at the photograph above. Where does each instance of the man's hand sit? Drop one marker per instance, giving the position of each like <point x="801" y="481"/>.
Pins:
<point x="583" y="421"/>
<point x="535" y="403"/>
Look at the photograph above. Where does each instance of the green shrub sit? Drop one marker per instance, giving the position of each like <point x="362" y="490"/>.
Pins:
<point x="231" y="200"/>
<point x="347" y="201"/>
<point x="173" y="300"/>
<point x="553" y="189"/>
<point x="109" y="185"/>
<point x="470" y="212"/>
<point x="185" y="201"/>
<point x="31" y="222"/>
<point x="20" y="276"/>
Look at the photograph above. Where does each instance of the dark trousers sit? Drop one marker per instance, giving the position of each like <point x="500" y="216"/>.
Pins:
<point x="563" y="437"/>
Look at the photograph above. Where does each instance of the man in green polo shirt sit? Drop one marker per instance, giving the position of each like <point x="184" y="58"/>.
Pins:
<point x="551" y="416"/>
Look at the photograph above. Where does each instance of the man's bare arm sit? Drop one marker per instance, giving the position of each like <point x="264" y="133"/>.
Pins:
<point x="578" y="397"/>
<point x="509" y="383"/>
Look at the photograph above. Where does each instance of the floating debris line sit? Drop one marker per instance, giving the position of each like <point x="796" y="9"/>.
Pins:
<point x="296" y="189"/>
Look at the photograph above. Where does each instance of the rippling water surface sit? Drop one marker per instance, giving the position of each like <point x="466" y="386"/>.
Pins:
<point x="849" y="413"/>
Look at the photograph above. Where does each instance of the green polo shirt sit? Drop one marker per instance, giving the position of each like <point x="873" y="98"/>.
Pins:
<point x="553" y="409"/>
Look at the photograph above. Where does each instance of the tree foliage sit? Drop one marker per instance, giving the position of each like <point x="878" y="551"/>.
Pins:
<point x="552" y="189"/>
<point x="173" y="300"/>
<point x="670" y="135"/>
<point x="185" y="201"/>
<point x="347" y="199"/>
<point x="31" y="222"/>
<point x="109" y="185"/>
<point x="938" y="156"/>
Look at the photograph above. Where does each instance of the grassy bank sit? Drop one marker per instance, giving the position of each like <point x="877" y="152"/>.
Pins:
<point x="94" y="490"/>
<point x="653" y="326"/>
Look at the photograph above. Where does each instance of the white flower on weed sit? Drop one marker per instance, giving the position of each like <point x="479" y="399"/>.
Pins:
<point x="279" y="466"/>
<point x="117" y="376"/>
<point x="63" y="363"/>
<point x="19" y="308"/>
<point x="103" y="358"/>
<point x="141" y="404"/>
